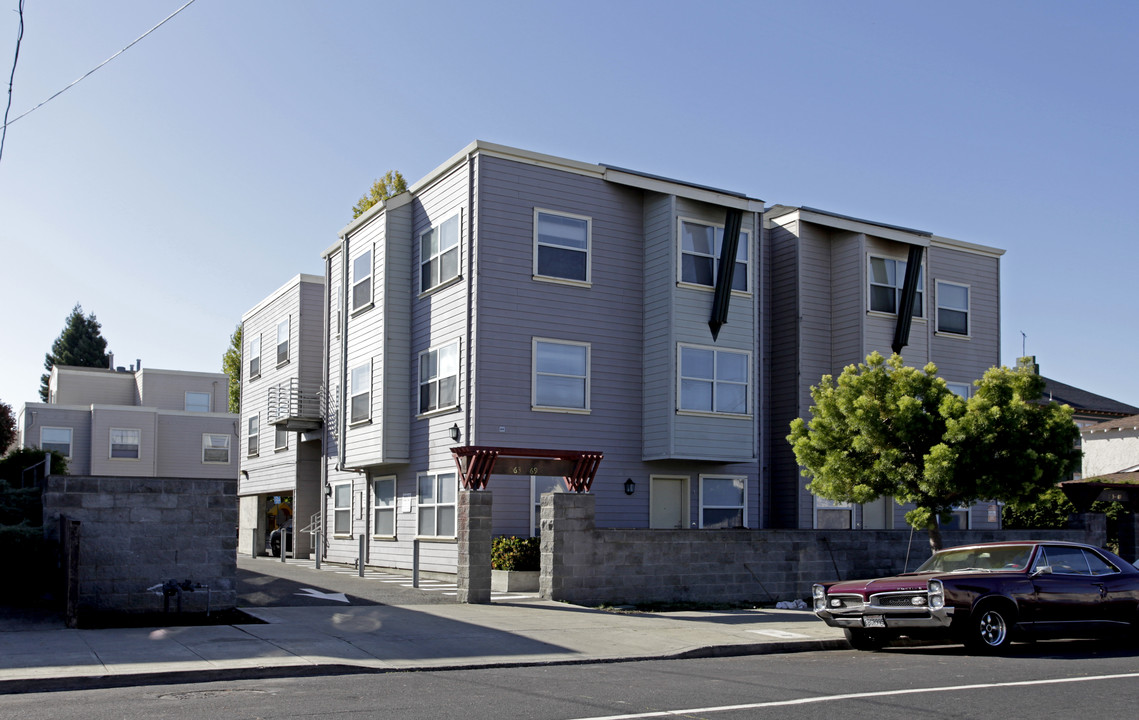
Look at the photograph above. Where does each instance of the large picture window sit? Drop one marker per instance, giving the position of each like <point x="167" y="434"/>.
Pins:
<point x="561" y="246"/>
<point x="283" y="342"/>
<point x="125" y="443"/>
<point x="439" y="254"/>
<point x="713" y="380"/>
<point x="561" y="375"/>
<point x="255" y="356"/>
<point x="215" y="449"/>
<point x="700" y="249"/>
<point x="436" y="501"/>
<point x="952" y="308"/>
<point x="384" y="489"/>
<point x="439" y="378"/>
<point x="362" y="281"/>
<point x="361" y="388"/>
<point x="56" y="438"/>
<point x="342" y="509"/>
<point x="723" y="502"/>
<point x="887" y="277"/>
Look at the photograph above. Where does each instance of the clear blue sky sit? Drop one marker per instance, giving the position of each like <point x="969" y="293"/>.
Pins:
<point x="176" y="187"/>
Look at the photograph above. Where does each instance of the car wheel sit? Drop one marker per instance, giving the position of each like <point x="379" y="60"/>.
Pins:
<point x="990" y="630"/>
<point x="866" y="639"/>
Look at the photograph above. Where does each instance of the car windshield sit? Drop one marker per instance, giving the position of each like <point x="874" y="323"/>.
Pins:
<point x="979" y="559"/>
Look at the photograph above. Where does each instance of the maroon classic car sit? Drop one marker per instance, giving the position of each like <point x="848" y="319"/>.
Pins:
<point x="988" y="595"/>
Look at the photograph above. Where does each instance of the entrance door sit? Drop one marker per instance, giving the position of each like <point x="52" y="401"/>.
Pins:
<point x="668" y="502"/>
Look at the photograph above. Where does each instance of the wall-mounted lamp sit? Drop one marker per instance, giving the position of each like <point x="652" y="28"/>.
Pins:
<point x="630" y="486"/>
<point x="327" y="490"/>
<point x="455" y="432"/>
<point x="245" y="474"/>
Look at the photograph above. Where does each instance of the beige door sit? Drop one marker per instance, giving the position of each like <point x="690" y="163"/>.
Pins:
<point x="668" y="502"/>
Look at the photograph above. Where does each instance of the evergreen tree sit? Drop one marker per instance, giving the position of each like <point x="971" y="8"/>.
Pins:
<point x="231" y="365"/>
<point x="7" y="427"/>
<point x="80" y="345"/>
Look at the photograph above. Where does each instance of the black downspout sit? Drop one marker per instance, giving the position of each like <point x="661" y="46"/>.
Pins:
<point x="906" y="304"/>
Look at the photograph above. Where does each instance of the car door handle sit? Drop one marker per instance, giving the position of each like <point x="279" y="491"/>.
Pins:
<point x="1102" y="589"/>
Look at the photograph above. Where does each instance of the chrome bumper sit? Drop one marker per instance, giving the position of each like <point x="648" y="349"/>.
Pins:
<point x="922" y="618"/>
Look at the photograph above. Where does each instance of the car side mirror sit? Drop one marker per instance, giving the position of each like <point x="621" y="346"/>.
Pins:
<point x="1042" y="570"/>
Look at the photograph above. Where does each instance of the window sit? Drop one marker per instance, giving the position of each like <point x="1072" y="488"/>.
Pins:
<point x="439" y="254"/>
<point x="342" y="509"/>
<point x="283" y="342"/>
<point x="887" y="277"/>
<point x="437" y="495"/>
<point x="360" y="401"/>
<point x="952" y="308"/>
<point x="700" y="245"/>
<point x="833" y="515"/>
<point x="124" y="443"/>
<point x="280" y="438"/>
<point x="439" y="378"/>
<point x="215" y="449"/>
<point x="723" y="502"/>
<point x="539" y="486"/>
<point x="714" y="381"/>
<point x="384" y="489"/>
<point x="964" y="390"/>
<point x="197" y="402"/>
<point x="958" y="519"/>
<point x="255" y="357"/>
<point x="254" y="435"/>
<point x="561" y="375"/>
<point x="362" y="281"/>
<point x="56" y="438"/>
<point x="561" y="246"/>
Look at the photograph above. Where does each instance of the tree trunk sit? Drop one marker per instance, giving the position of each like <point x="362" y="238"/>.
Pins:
<point x="934" y="536"/>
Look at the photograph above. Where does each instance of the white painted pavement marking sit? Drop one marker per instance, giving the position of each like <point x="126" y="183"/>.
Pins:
<point x="778" y="634"/>
<point x="310" y="592"/>
<point x="856" y="696"/>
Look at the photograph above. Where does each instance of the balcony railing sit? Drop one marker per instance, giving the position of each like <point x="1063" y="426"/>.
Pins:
<point x="295" y="406"/>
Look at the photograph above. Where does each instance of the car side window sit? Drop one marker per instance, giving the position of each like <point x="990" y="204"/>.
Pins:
<point x="1098" y="565"/>
<point x="1068" y="561"/>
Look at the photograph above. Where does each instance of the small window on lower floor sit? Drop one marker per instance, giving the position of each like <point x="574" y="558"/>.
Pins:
<point x="833" y="515"/>
<point x="342" y="509"/>
<point x="57" y="439"/>
<point x="280" y="438"/>
<point x="384" y="489"/>
<point x="215" y="449"/>
<point x="437" y="497"/>
<point x="125" y="443"/>
<point x="723" y="502"/>
<point x="958" y="519"/>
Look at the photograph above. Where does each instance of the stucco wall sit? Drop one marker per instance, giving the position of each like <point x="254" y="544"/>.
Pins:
<point x="1110" y="452"/>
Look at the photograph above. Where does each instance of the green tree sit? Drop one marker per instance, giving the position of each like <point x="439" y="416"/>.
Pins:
<point x="231" y="365"/>
<point x="884" y="429"/>
<point x="81" y="344"/>
<point x="7" y="427"/>
<point x="389" y="185"/>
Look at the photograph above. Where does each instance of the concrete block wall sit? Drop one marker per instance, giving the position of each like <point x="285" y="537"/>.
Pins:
<point x="138" y="532"/>
<point x="585" y="565"/>
<point x="475" y="540"/>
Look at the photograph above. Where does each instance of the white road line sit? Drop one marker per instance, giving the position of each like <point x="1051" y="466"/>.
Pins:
<point x="855" y="696"/>
<point x="778" y="634"/>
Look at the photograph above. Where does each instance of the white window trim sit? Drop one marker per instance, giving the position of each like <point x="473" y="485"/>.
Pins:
<point x="968" y="310"/>
<point x="680" y="282"/>
<point x="249" y="434"/>
<point x="369" y="278"/>
<point x="897" y="289"/>
<point x="287" y="322"/>
<point x="423" y="292"/>
<point x="700" y="507"/>
<point x="588" y="282"/>
<point x="715" y="350"/>
<point x="111" y="444"/>
<point x="209" y="401"/>
<point x="376" y="508"/>
<point x="255" y="341"/>
<point x="436" y="505"/>
<point x="352" y="394"/>
<point x="70" y="438"/>
<point x="340" y="508"/>
<point x="207" y="446"/>
<point x="442" y="409"/>
<point x="835" y="505"/>
<point x="534" y="376"/>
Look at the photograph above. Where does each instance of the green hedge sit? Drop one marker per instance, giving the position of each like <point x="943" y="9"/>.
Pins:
<point x="515" y="553"/>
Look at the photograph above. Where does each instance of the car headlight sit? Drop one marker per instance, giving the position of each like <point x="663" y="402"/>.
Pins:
<point x="819" y="595"/>
<point x="936" y="595"/>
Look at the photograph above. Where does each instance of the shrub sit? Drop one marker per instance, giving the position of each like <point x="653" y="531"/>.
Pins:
<point x="515" y="553"/>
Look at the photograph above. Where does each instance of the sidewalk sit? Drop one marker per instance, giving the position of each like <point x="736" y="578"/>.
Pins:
<point x="319" y="640"/>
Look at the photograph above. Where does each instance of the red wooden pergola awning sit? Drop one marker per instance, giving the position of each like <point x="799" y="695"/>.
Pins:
<point x="477" y="463"/>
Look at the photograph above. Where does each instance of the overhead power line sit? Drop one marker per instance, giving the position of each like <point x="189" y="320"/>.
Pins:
<point x="92" y="70"/>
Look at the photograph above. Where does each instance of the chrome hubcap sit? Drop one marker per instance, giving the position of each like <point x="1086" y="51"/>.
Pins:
<point x="993" y="628"/>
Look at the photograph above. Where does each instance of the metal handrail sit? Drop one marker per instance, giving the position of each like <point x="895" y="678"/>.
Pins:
<point x="292" y="400"/>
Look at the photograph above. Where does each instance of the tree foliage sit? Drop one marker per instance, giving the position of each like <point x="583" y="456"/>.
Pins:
<point x="389" y="185"/>
<point x="887" y="430"/>
<point x="231" y="366"/>
<point x="81" y="344"/>
<point x="7" y="427"/>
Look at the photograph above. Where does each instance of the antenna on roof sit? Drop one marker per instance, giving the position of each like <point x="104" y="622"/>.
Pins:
<point x="1023" y="342"/>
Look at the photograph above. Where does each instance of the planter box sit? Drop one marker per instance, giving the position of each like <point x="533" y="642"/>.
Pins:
<point x="514" y="580"/>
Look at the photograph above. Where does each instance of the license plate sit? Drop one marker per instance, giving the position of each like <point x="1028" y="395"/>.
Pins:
<point x="873" y="621"/>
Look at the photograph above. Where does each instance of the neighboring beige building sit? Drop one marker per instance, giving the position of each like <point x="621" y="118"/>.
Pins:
<point x="1111" y="447"/>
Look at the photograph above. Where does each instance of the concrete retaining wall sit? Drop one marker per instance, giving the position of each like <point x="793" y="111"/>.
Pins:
<point x="588" y="566"/>
<point x="138" y="532"/>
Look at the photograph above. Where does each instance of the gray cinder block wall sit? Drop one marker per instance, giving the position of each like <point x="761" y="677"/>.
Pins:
<point x="474" y="550"/>
<point x="584" y="565"/>
<point x="138" y="532"/>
